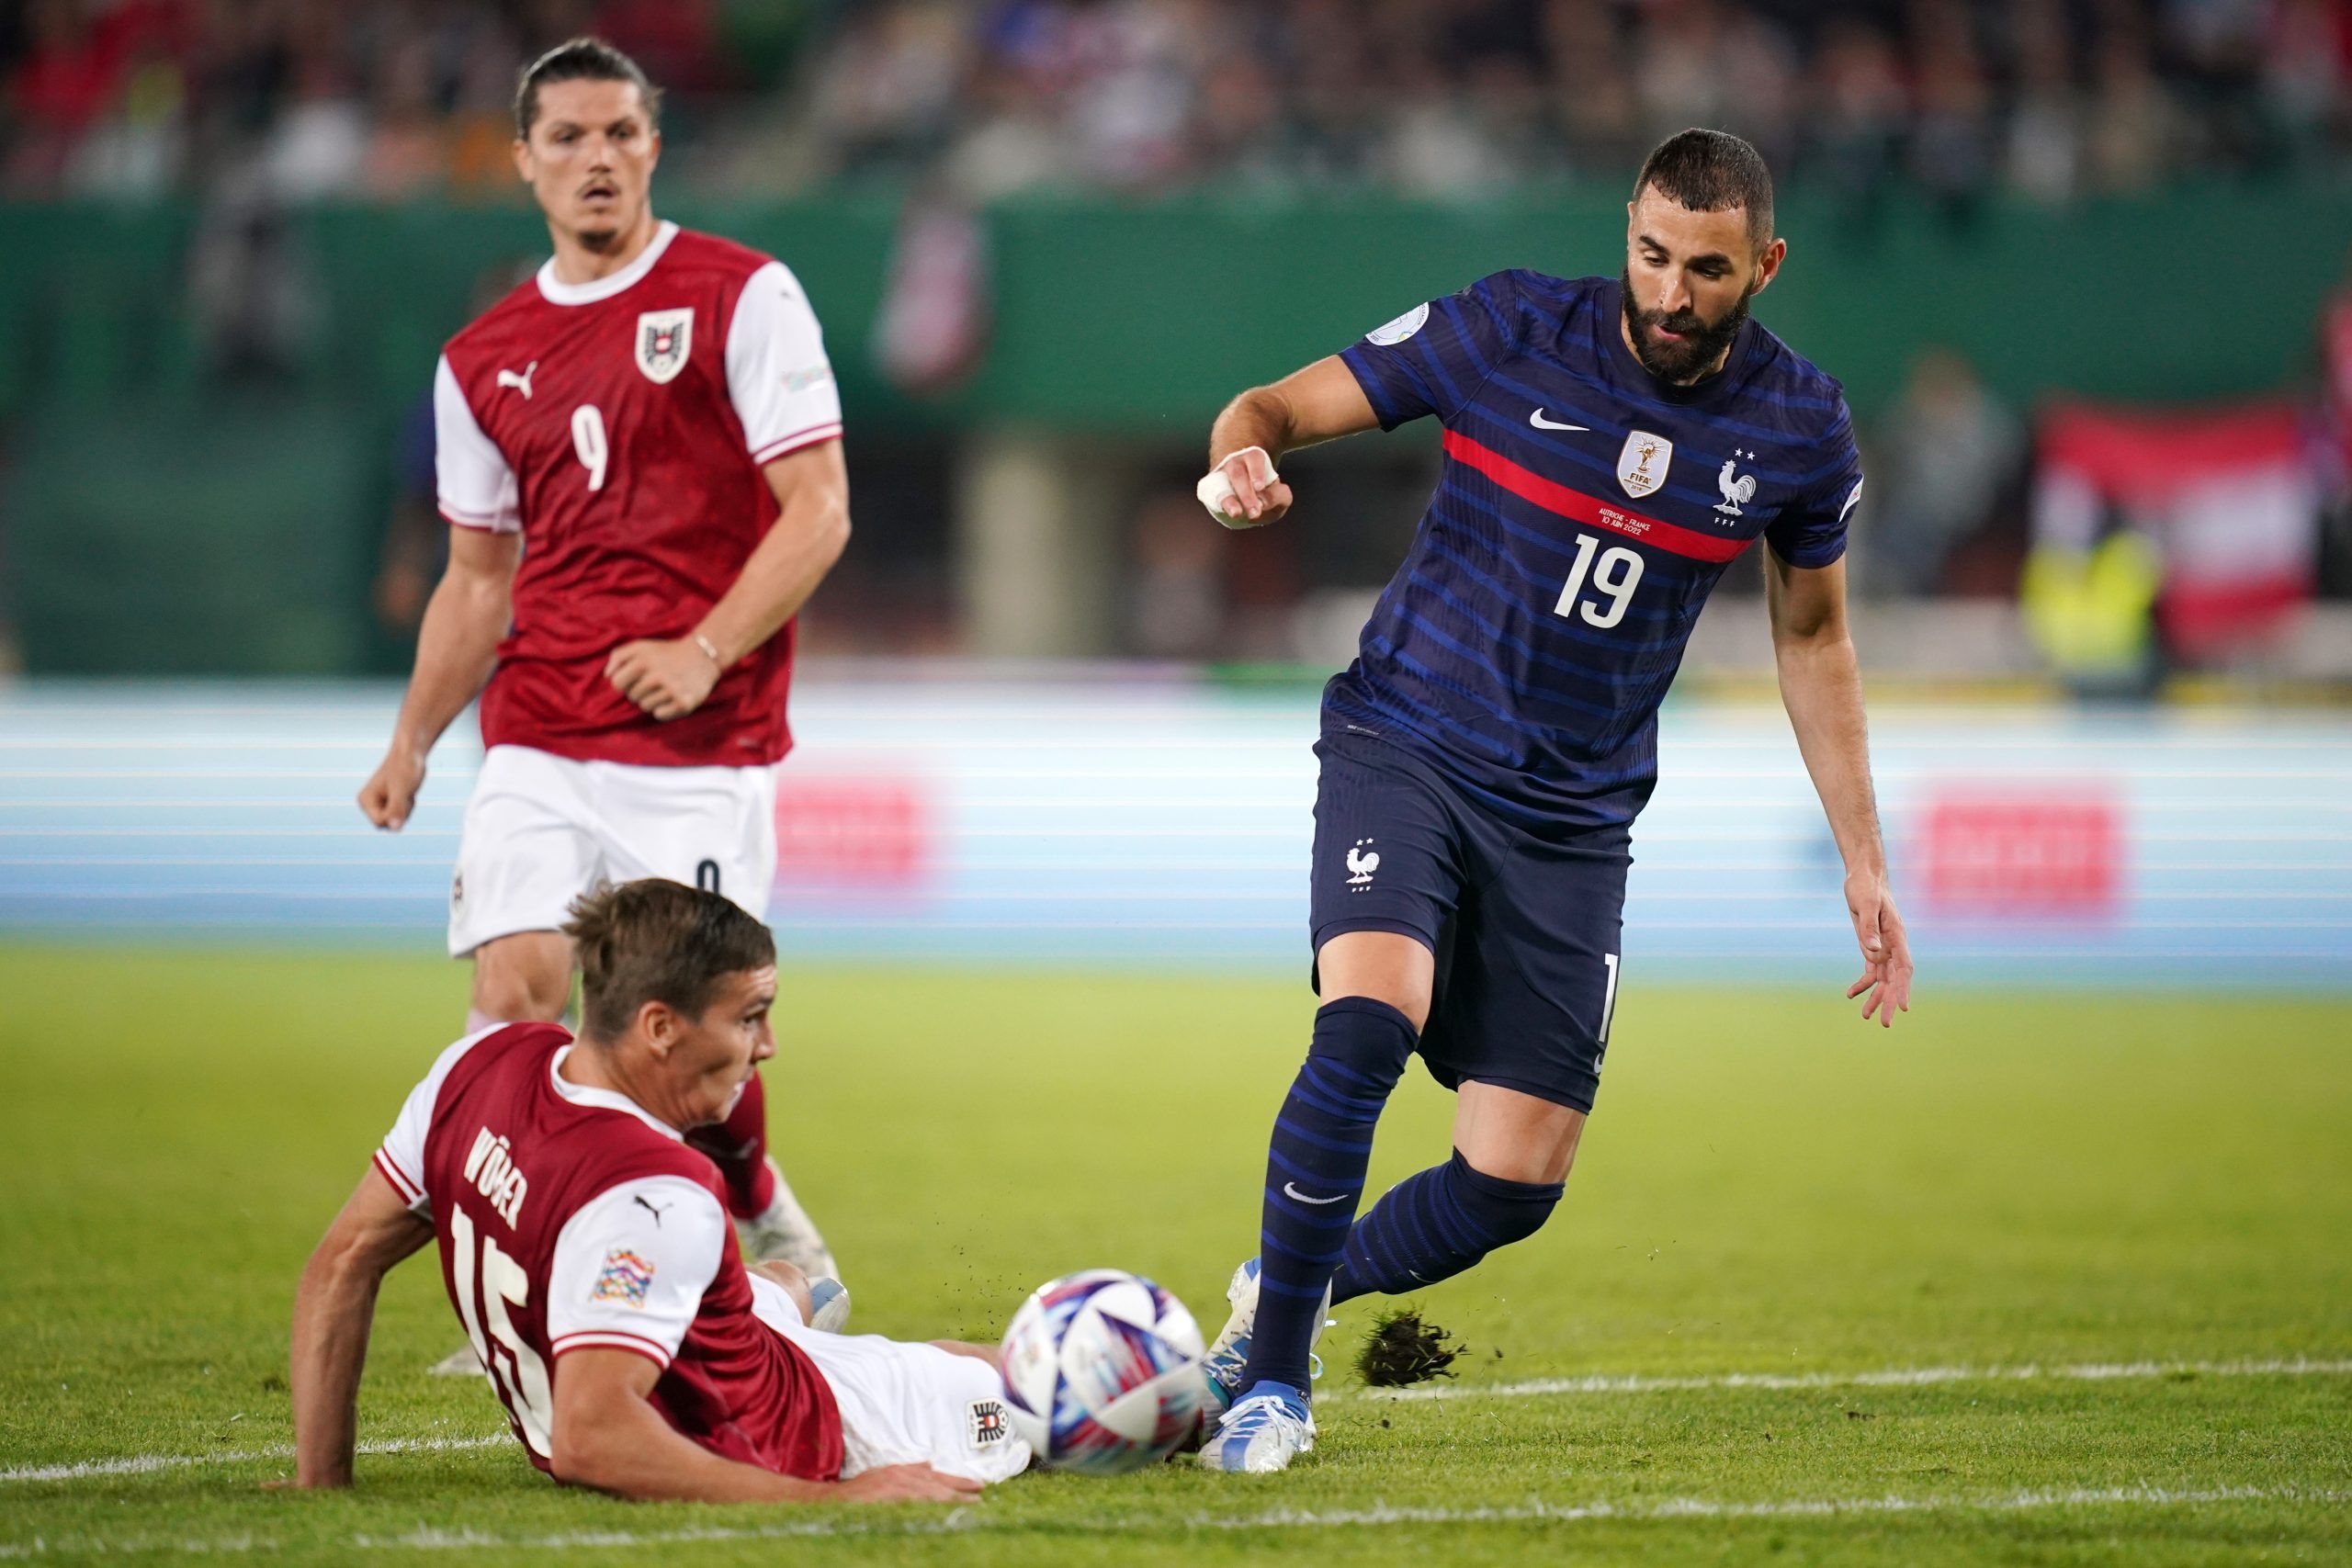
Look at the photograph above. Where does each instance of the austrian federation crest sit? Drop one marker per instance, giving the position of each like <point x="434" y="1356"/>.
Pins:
<point x="1643" y="462"/>
<point x="664" y="338"/>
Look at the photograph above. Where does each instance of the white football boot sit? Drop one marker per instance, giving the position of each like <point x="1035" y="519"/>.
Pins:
<point x="1271" y="1426"/>
<point x="1221" y="1367"/>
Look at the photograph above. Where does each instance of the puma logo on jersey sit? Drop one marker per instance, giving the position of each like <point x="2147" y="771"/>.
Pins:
<point x="489" y="1165"/>
<point x="638" y="1199"/>
<point x="521" y="383"/>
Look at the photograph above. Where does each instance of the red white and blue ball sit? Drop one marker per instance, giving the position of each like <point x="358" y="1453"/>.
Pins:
<point x="1102" y="1372"/>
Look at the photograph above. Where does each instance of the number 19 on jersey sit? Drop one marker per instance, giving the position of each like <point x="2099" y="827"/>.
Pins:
<point x="1619" y="572"/>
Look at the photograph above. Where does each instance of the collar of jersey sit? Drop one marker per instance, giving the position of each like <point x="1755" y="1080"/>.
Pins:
<point x="557" y="292"/>
<point x="603" y="1098"/>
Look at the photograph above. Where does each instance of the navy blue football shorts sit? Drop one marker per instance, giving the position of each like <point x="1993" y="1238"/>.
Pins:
<point x="1526" y="927"/>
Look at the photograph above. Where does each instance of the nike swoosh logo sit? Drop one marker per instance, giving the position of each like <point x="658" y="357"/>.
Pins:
<point x="1540" y="423"/>
<point x="1290" y="1192"/>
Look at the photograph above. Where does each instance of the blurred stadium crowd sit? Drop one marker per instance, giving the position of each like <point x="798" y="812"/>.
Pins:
<point x="393" y="99"/>
<point x="2116" y="539"/>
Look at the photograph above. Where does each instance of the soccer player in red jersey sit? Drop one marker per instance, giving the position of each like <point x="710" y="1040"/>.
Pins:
<point x="638" y="453"/>
<point x="585" y="1247"/>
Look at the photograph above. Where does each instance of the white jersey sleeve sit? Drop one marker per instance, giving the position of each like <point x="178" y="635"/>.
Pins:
<point x="631" y="1265"/>
<point x="777" y="376"/>
<point x="402" y="1154"/>
<point x="475" y="486"/>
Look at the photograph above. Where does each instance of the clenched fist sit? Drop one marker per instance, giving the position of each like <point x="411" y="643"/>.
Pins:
<point x="1244" y="492"/>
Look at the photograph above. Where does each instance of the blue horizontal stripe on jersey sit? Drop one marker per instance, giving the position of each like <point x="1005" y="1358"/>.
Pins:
<point x="1665" y="562"/>
<point x="1655" y="406"/>
<point x="1638" y="751"/>
<point x="1591" y="787"/>
<point x="1571" y="740"/>
<point x="1600" y="465"/>
<point x="1609" y="680"/>
<point x="1426" y="352"/>
<point x="1378" y="392"/>
<point x="1683" y="445"/>
<point x="1430" y="724"/>
<point x="1568" y="628"/>
<point x="1612" y="679"/>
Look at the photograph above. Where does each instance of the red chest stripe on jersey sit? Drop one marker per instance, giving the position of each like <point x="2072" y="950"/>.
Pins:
<point x="1577" y="506"/>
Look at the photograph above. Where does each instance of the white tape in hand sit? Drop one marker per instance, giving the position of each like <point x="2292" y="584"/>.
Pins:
<point x="1215" y="489"/>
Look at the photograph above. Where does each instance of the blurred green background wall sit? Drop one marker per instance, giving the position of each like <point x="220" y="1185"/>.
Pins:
<point x="162" y="516"/>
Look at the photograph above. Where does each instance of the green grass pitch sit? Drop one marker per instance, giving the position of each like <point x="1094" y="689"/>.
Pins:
<point x="2108" y="1240"/>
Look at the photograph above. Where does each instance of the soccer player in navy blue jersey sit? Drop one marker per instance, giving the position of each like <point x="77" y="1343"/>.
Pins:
<point x="1610" y="444"/>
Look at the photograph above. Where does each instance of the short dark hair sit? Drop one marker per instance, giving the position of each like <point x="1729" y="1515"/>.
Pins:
<point x="652" y="941"/>
<point x="580" y="60"/>
<point x="1709" y="171"/>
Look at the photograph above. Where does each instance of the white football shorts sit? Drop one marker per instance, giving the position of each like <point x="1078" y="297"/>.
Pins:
<point x="904" y="1403"/>
<point x="541" y="829"/>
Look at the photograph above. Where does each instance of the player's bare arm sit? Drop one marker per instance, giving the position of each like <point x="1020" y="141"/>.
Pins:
<point x="456" y="648"/>
<point x="607" y="1435"/>
<point x="334" y="1308"/>
<point x="669" y="678"/>
<point x="1821" y="685"/>
<point x="1321" y="402"/>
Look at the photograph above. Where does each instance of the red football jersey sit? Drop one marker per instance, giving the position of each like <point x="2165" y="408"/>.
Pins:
<point x="569" y="1217"/>
<point x="620" y="425"/>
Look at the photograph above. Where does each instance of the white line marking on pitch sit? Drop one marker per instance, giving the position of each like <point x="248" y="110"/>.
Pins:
<point x="142" y="1464"/>
<point x="966" y="1520"/>
<point x="1891" y="1377"/>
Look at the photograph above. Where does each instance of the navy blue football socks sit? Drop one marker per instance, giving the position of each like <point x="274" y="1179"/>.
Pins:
<point x="1314" y="1171"/>
<point x="1435" y="1223"/>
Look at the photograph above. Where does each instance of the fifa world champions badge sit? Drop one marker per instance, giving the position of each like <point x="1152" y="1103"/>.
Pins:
<point x="1642" y="462"/>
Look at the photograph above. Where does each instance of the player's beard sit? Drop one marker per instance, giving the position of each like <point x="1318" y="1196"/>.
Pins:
<point x="605" y="232"/>
<point x="604" y="237"/>
<point x="1681" y="363"/>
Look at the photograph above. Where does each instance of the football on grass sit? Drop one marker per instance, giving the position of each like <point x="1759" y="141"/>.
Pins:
<point x="1102" y="1372"/>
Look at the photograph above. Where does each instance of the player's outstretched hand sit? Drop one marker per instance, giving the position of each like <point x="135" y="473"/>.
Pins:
<point x="1244" y="492"/>
<point x="908" y="1484"/>
<point x="1886" y="950"/>
<point x="389" y="794"/>
<point x="668" y="677"/>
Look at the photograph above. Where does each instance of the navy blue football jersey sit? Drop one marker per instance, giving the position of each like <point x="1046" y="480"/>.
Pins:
<point x="1585" y="510"/>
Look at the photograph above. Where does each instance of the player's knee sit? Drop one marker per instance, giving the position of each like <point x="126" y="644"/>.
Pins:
<point x="521" y="983"/>
<point x="1368" y="1040"/>
<point x="513" y="998"/>
<point x="1503" y="1210"/>
<point x="794" y="1280"/>
<point x="1385" y="967"/>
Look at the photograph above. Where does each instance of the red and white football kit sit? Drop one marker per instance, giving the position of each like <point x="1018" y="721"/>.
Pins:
<point x="621" y="427"/>
<point x="570" y="1217"/>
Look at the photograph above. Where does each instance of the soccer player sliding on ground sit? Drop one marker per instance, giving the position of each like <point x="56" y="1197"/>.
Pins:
<point x="1610" y="444"/>
<point x="639" y="457"/>
<point x="585" y="1247"/>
